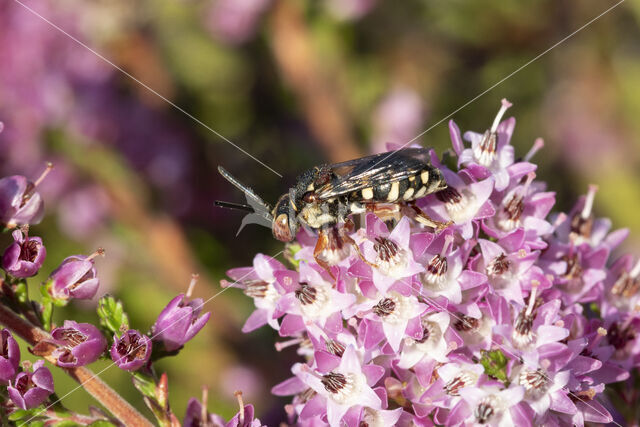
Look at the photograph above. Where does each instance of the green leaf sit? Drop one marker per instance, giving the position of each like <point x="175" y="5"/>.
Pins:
<point x="145" y="384"/>
<point x="21" y="291"/>
<point x="495" y="364"/>
<point x="47" y="313"/>
<point x="21" y="414"/>
<point x="112" y="315"/>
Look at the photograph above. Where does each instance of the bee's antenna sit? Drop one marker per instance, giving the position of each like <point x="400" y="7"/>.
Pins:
<point x="230" y="205"/>
<point x="246" y="190"/>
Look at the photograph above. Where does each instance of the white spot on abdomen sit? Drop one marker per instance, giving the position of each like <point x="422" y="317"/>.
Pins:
<point x="394" y="193"/>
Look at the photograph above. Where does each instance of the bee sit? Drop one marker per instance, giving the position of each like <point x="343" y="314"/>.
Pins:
<point x="325" y="196"/>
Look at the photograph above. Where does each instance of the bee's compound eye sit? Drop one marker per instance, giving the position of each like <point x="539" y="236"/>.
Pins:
<point x="281" y="229"/>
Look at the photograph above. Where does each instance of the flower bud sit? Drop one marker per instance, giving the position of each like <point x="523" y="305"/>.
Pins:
<point x="20" y="204"/>
<point x="30" y="389"/>
<point x="9" y="356"/>
<point x="80" y="344"/>
<point x="179" y="322"/>
<point x="24" y="257"/>
<point x="75" y="278"/>
<point x="131" y="351"/>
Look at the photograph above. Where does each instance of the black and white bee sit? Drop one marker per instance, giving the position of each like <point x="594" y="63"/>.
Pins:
<point x="325" y="196"/>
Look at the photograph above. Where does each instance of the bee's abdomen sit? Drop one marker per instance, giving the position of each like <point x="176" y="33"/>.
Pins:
<point x="413" y="187"/>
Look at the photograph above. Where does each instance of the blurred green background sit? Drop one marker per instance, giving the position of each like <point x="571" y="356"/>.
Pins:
<point x="294" y="83"/>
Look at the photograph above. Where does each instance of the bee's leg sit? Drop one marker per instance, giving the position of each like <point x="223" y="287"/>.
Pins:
<point x="321" y="245"/>
<point x="423" y="218"/>
<point x="343" y="230"/>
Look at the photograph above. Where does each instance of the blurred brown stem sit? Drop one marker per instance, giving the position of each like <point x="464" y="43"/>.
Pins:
<point x="297" y="59"/>
<point x="104" y="394"/>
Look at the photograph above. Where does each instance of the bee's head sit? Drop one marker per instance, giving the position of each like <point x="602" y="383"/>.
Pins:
<point x="285" y="226"/>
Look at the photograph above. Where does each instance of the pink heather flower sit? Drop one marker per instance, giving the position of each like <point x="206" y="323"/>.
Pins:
<point x="490" y="153"/>
<point x="80" y="344"/>
<point x="24" y="257"/>
<point x="9" y="356"/>
<point x="396" y="314"/>
<point x="313" y="298"/>
<point x="432" y="343"/>
<point x="462" y="202"/>
<point x="521" y="206"/>
<point x="491" y="406"/>
<point x="452" y="378"/>
<point x="343" y="388"/>
<point x="258" y="283"/>
<point x="444" y="274"/>
<point x="20" y="203"/>
<point x="75" y="278"/>
<point x="393" y="262"/>
<point x="179" y="322"/>
<point x="131" y="351"/>
<point x="509" y="316"/>
<point x="31" y="389"/>
<point x="509" y="268"/>
<point x="581" y="227"/>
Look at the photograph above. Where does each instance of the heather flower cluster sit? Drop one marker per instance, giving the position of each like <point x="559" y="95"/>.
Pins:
<point x="26" y="388"/>
<point x="512" y="315"/>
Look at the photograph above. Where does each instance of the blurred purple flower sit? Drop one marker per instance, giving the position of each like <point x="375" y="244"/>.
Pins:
<point x="9" y="356"/>
<point x="131" y="351"/>
<point x="75" y="278"/>
<point x="24" y="257"/>
<point x="179" y="322"/>
<point x="235" y="21"/>
<point x="80" y="344"/>
<point x="30" y="389"/>
<point x="398" y="117"/>
<point x="81" y="212"/>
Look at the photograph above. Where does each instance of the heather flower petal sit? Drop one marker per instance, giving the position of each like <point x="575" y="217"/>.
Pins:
<point x="80" y="344"/>
<point x="178" y="322"/>
<point x="560" y="402"/>
<point x="9" y="356"/>
<point x="456" y="138"/>
<point x="31" y="389"/>
<point x="131" y="351"/>
<point x="394" y="333"/>
<point x="256" y="320"/>
<point x="289" y="387"/>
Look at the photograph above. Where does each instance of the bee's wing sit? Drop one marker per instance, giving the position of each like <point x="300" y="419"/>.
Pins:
<point x="370" y="171"/>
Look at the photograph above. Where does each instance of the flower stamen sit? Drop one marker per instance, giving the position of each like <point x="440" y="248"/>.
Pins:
<point x="537" y="145"/>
